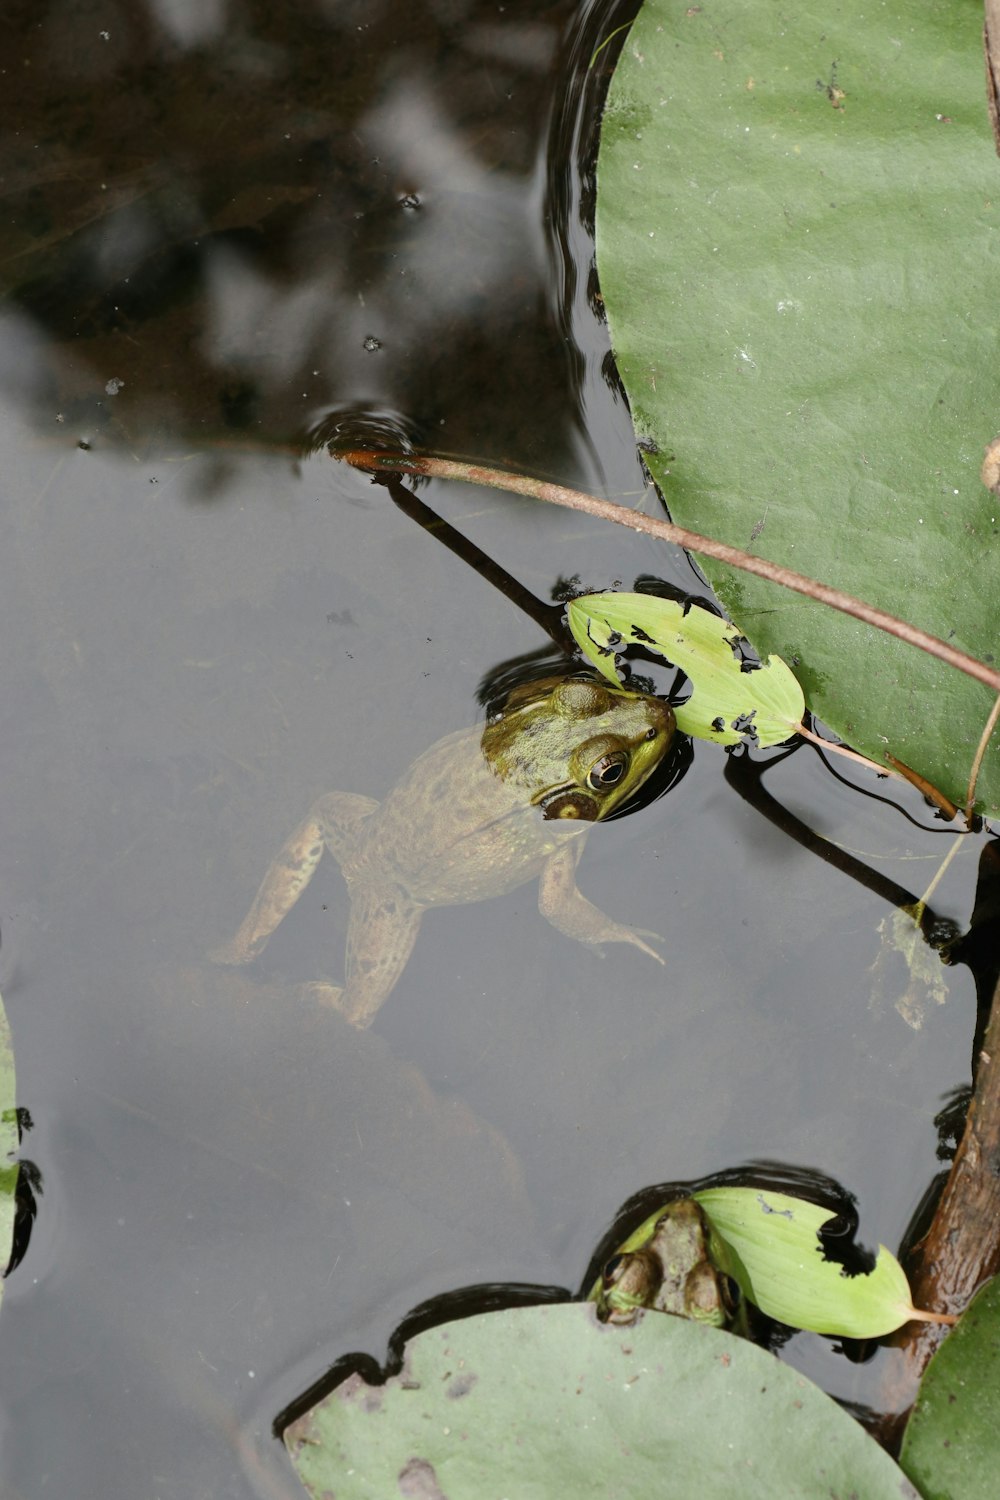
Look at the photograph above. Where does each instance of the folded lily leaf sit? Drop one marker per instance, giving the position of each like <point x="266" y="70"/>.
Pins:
<point x="735" y="697"/>
<point x="775" y="1248"/>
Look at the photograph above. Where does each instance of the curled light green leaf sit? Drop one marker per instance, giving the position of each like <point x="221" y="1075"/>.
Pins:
<point x="733" y="698"/>
<point x="770" y="1244"/>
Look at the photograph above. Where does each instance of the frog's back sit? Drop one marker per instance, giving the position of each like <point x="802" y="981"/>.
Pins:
<point x="453" y="830"/>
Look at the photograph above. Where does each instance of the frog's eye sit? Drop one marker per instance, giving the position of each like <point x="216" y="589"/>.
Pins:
<point x="612" y="1270"/>
<point x="607" y="772"/>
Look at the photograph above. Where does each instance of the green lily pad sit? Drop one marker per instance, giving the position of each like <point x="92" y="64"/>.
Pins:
<point x="952" y="1442"/>
<point x="9" y="1142"/>
<point x="728" y="703"/>
<point x="797" y="216"/>
<point x="769" y="1243"/>
<point x="539" y="1402"/>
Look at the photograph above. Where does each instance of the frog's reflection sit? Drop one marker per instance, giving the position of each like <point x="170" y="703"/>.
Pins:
<point x="480" y="812"/>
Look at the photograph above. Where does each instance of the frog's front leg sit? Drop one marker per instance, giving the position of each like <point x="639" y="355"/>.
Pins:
<point x="334" y="823"/>
<point x="562" y="903"/>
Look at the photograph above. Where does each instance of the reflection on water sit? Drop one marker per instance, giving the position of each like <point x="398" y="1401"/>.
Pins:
<point x="231" y="233"/>
<point x="320" y="204"/>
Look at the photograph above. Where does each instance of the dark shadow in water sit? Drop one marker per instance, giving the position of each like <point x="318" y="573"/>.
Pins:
<point x="745" y="774"/>
<point x="978" y="948"/>
<point x="26" y="1196"/>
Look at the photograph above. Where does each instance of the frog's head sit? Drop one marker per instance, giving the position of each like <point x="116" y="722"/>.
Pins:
<point x="665" y="1265"/>
<point x="629" y="1280"/>
<point x="578" y="746"/>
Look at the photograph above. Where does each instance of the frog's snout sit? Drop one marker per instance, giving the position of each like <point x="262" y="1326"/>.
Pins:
<point x="666" y="720"/>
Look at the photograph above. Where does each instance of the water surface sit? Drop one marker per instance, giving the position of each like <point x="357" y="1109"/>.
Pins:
<point x="233" y="233"/>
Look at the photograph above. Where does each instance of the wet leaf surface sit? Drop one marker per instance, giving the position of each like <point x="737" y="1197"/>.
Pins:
<point x="773" y="1245"/>
<point x="547" y="1401"/>
<point x="952" y="1445"/>
<point x="795" y="229"/>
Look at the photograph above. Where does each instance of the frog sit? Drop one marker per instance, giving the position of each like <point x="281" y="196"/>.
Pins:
<point x="670" y="1271"/>
<point x="481" y="812"/>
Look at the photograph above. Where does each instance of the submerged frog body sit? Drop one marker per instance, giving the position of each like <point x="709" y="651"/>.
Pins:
<point x="480" y="812"/>
<point x="670" y="1272"/>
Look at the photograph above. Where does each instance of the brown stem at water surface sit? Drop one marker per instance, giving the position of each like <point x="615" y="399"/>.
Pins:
<point x="926" y="788"/>
<point x="608" y="510"/>
<point x="961" y="1249"/>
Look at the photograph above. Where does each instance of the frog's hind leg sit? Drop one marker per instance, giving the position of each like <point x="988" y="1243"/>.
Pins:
<point x="334" y="823"/>
<point x="383" y="928"/>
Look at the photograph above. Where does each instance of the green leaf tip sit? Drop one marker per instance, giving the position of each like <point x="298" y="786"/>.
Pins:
<point x="771" y="1245"/>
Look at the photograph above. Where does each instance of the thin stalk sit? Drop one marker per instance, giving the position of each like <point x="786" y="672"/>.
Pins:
<point x="861" y="760"/>
<point x="942" y="867"/>
<point x="977" y="760"/>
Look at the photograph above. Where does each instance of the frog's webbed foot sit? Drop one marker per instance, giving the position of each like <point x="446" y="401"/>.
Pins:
<point x="333" y="823"/>
<point x="635" y="935"/>
<point x="562" y="903"/>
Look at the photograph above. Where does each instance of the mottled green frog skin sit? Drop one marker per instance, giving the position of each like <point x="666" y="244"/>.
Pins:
<point x="670" y="1273"/>
<point x="479" y="813"/>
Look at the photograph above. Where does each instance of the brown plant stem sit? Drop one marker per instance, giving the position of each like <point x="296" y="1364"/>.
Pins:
<point x="926" y="788"/>
<point x="607" y="510"/>
<point x="961" y="1250"/>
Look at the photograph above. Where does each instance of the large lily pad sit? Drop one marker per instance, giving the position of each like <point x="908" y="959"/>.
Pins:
<point x="543" y="1401"/>
<point x="797" y="220"/>
<point x="952" y="1442"/>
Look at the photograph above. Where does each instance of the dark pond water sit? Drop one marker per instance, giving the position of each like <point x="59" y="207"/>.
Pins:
<point x="231" y="233"/>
